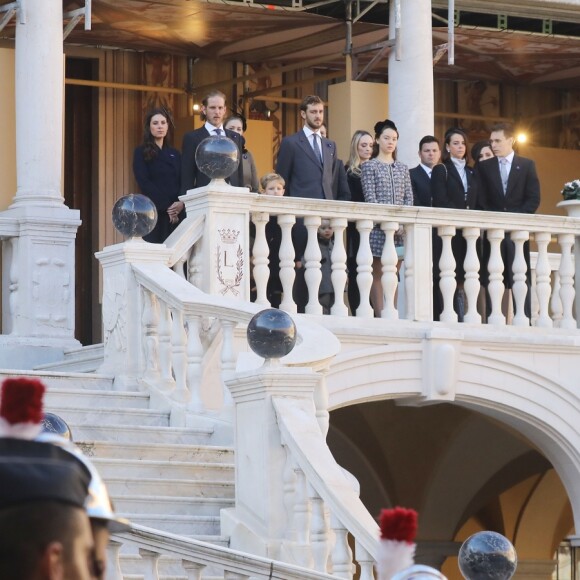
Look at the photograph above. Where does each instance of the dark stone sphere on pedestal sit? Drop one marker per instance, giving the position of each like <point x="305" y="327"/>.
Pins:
<point x="217" y="157"/>
<point x="487" y="556"/>
<point x="56" y="425"/>
<point x="271" y="333"/>
<point x="134" y="215"/>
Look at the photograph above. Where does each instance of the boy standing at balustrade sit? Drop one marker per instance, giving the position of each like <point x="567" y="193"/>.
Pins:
<point x="326" y="244"/>
<point x="273" y="184"/>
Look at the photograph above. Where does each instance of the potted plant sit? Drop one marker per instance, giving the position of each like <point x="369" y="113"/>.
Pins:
<point x="571" y="195"/>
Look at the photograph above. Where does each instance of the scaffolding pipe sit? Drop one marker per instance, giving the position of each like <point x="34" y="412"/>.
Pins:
<point x="451" y="33"/>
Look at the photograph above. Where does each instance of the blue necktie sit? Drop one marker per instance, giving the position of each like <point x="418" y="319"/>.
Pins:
<point x="316" y="147"/>
<point x="218" y="132"/>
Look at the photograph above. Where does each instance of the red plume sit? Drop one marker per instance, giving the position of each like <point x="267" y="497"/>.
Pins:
<point x="396" y="548"/>
<point x="398" y="524"/>
<point x="21" y="410"/>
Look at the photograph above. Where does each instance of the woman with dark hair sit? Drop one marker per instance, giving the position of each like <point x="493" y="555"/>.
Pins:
<point x="157" y="169"/>
<point x="481" y="151"/>
<point x="361" y="149"/>
<point x="385" y="180"/>
<point x="453" y="186"/>
<point x="238" y="124"/>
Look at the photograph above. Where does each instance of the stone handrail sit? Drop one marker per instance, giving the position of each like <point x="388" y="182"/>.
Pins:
<point x="309" y="453"/>
<point x="158" y="328"/>
<point x="195" y="556"/>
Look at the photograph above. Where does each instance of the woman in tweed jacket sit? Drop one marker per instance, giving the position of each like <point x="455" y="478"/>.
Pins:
<point x="385" y="180"/>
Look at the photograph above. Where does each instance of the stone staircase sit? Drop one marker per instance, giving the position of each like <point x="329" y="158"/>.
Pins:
<point x="170" y="479"/>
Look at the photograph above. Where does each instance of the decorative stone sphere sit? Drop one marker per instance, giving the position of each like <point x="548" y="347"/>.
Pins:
<point x="56" y="425"/>
<point x="487" y="556"/>
<point x="271" y="333"/>
<point x="134" y="215"/>
<point x="217" y="157"/>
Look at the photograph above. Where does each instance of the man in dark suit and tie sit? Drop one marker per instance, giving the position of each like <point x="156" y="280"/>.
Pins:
<point x="429" y="154"/>
<point x="509" y="183"/>
<point x="213" y="110"/>
<point x="307" y="162"/>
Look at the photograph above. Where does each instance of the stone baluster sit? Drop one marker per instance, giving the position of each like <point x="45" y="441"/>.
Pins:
<point x="409" y="313"/>
<point x="519" y="287"/>
<point x="495" y="286"/>
<point x="318" y="531"/>
<point x="167" y="382"/>
<point x="287" y="270"/>
<point x="289" y="491"/>
<point x="193" y="570"/>
<point x="151" y="323"/>
<point x="342" y="565"/>
<point x="194" y="363"/>
<point x="195" y="266"/>
<point x="312" y="256"/>
<point x="302" y="518"/>
<point x="179" y="358"/>
<point x="113" y="570"/>
<point x="365" y="562"/>
<point x="339" y="275"/>
<point x="150" y="561"/>
<point x="566" y="274"/>
<point x="447" y="284"/>
<point x="543" y="286"/>
<point x="228" y="357"/>
<point x="389" y="271"/>
<point x="364" y="277"/>
<point x="13" y="285"/>
<point x="260" y="257"/>
<point x="556" y="306"/>
<point x="534" y="297"/>
<point x="178" y="267"/>
<point x="471" y="284"/>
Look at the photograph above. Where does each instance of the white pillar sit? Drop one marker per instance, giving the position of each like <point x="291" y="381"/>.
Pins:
<point x="38" y="285"/>
<point x="411" y="104"/>
<point x="39" y="103"/>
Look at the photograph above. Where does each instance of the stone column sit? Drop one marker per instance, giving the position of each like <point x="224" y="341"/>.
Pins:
<point x="38" y="255"/>
<point x="39" y="104"/>
<point x="411" y="103"/>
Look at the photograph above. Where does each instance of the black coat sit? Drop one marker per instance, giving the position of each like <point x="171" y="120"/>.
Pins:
<point x="421" y="184"/>
<point x="191" y="176"/>
<point x="159" y="179"/>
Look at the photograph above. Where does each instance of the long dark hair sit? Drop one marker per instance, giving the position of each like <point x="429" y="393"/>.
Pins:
<point x="149" y="145"/>
<point x="380" y="128"/>
<point x="448" y="134"/>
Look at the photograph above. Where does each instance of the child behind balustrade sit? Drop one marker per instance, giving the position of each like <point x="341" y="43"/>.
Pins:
<point x="273" y="184"/>
<point x="326" y="244"/>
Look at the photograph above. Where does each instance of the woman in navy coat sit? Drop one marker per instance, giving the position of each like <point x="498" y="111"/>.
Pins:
<point x="157" y="169"/>
<point x="453" y="186"/>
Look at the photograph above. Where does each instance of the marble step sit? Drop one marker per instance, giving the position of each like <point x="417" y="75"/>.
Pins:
<point x="121" y="486"/>
<point x="159" y="451"/>
<point x="146" y="505"/>
<point x="64" y="380"/>
<point x="84" y="359"/>
<point x="177" y="524"/>
<point x="104" y="431"/>
<point x="163" y="469"/>
<point x="112" y="416"/>
<point x="59" y="398"/>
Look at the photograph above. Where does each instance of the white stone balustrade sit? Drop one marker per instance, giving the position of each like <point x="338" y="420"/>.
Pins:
<point x="193" y="559"/>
